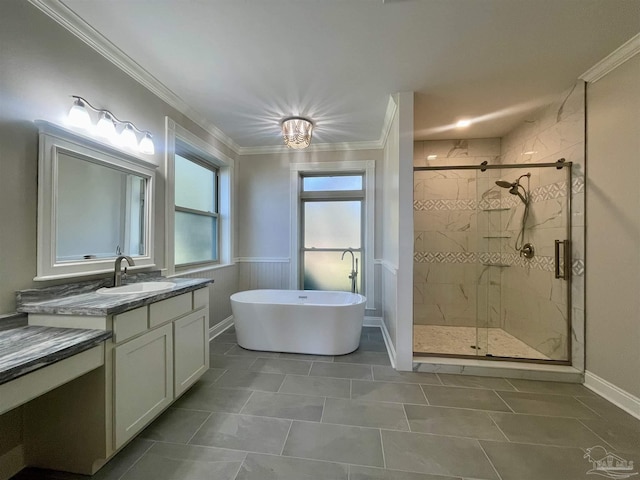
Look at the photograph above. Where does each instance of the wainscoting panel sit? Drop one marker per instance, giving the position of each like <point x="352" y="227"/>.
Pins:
<point x="263" y="273"/>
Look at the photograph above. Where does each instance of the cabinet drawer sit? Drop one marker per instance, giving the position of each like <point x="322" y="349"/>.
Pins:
<point x="165" y="310"/>
<point x="129" y="324"/>
<point x="201" y="298"/>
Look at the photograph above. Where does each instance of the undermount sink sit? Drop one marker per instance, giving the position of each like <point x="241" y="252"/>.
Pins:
<point x="142" y="287"/>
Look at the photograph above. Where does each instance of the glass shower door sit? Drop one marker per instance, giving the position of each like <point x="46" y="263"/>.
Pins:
<point x="524" y="260"/>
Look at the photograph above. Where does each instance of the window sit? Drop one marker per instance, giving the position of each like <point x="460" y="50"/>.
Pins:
<point x="331" y="222"/>
<point x="196" y="210"/>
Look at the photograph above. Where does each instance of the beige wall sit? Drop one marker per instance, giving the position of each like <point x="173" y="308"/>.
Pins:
<point x="613" y="227"/>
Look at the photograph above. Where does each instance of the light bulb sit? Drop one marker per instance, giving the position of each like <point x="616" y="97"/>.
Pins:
<point x="463" y="123"/>
<point x="146" y="145"/>
<point x="106" y="128"/>
<point x="128" y="137"/>
<point x="78" y="115"/>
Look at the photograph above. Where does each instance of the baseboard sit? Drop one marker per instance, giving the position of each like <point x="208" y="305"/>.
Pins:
<point x="379" y="322"/>
<point x="619" y="397"/>
<point x="220" y="327"/>
<point x="12" y="462"/>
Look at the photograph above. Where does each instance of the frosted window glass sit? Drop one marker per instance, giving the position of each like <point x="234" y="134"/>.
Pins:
<point x="325" y="271"/>
<point x="195" y="239"/>
<point x="332" y="184"/>
<point x="334" y="224"/>
<point x="195" y="186"/>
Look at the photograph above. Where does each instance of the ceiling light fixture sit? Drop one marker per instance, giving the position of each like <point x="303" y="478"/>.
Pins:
<point x="107" y="127"/>
<point x="297" y="132"/>
<point x="463" y="123"/>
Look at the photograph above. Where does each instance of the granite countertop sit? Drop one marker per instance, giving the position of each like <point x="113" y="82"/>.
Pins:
<point x="28" y="348"/>
<point x="82" y="299"/>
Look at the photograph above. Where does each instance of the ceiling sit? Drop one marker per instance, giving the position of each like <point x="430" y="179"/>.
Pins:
<point x="244" y="65"/>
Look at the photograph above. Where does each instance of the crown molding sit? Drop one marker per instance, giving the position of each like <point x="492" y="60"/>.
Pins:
<point x="314" y="147"/>
<point x="613" y="60"/>
<point x="71" y="21"/>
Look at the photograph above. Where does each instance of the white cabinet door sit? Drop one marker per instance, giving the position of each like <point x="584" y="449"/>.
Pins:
<point x="143" y="384"/>
<point x="191" y="349"/>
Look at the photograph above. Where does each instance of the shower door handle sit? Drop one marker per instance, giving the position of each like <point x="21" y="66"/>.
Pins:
<point x="565" y="271"/>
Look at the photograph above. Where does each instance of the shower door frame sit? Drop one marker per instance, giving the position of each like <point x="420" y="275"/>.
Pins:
<point x="559" y="164"/>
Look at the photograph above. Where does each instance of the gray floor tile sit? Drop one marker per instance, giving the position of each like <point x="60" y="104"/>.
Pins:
<point x="230" y="362"/>
<point x="389" y="374"/>
<point x="242" y="432"/>
<point x="277" y="365"/>
<point x="554" y="388"/>
<point x="518" y="461"/>
<point x="365" y="414"/>
<point x="457" y="422"/>
<point x="175" y="425"/>
<point x="335" y="443"/>
<point x="335" y="370"/>
<point x="212" y="399"/>
<point x="211" y="375"/>
<point x="269" y="467"/>
<point x="371" y="473"/>
<point x="127" y="457"/>
<point x="266" y="382"/>
<point x="473" y="381"/>
<point x="225" y="338"/>
<point x="285" y="405"/>
<point x="608" y="410"/>
<point x="219" y="348"/>
<point x="307" y="358"/>
<point x="387" y="392"/>
<point x="549" y="405"/>
<point x="364" y="358"/>
<point x="623" y="437"/>
<point x="237" y="350"/>
<point x="435" y="454"/>
<point x="169" y="461"/>
<point x="568" y="432"/>
<point x="475" y="398"/>
<point x="320" y="386"/>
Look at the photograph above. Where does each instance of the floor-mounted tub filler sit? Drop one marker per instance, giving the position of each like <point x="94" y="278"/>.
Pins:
<point x="298" y="321"/>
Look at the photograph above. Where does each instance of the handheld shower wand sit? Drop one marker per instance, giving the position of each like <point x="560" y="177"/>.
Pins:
<point x="514" y="189"/>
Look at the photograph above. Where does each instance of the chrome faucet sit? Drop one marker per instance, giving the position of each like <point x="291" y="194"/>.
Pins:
<point x="117" y="269"/>
<point x="354" y="269"/>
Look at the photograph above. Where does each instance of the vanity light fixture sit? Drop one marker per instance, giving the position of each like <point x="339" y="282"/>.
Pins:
<point x="297" y="132"/>
<point x="108" y="125"/>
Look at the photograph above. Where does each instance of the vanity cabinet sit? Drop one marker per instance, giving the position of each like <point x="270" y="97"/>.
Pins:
<point x="156" y="353"/>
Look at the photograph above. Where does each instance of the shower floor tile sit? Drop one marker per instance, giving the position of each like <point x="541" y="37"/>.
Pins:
<point x="465" y="341"/>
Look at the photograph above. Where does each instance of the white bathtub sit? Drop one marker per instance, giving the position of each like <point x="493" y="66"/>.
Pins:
<point x="298" y="321"/>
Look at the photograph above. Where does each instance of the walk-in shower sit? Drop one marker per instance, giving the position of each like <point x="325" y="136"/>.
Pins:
<point x="489" y="279"/>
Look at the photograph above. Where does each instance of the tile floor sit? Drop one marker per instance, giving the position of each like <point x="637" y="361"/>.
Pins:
<point x="440" y="339"/>
<point x="266" y="416"/>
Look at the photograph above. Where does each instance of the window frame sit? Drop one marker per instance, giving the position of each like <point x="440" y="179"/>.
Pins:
<point x="181" y="138"/>
<point x="332" y="196"/>
<point x="367" y="168"/>
<point x="183" y="150"/>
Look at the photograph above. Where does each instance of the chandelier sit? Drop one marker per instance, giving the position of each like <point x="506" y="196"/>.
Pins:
<point x="297" y="132"/>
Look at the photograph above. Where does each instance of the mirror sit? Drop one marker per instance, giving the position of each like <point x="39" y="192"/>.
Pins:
<point x="94" y="204"/>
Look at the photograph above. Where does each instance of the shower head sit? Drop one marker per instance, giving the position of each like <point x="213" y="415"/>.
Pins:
<point x="505" y="184"/>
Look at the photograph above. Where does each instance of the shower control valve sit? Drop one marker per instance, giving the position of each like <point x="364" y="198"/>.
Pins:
<point x="527" y="251"/>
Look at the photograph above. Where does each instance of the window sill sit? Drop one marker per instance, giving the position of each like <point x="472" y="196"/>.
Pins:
<point x="208" y="268"/>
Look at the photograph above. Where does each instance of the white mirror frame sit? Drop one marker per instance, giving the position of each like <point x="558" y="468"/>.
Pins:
<point x="52" y="140"/>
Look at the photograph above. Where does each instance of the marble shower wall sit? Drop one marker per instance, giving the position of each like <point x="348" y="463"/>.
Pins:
<point x="450" y="286"/>
<point x="533" y="301"/>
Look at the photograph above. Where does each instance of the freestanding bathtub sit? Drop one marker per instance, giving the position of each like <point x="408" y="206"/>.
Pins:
<point x="298" y="321"/>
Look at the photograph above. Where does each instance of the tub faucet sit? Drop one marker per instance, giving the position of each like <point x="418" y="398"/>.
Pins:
<point x="117" y="269"/>
<point x="354" y="269"/>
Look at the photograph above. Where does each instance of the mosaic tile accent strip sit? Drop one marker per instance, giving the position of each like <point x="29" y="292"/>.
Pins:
<point x="540" y="194"/>
<point x="577" y="185"/>
<point x="444" y="205"/>
<point x="511" y="259"/>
